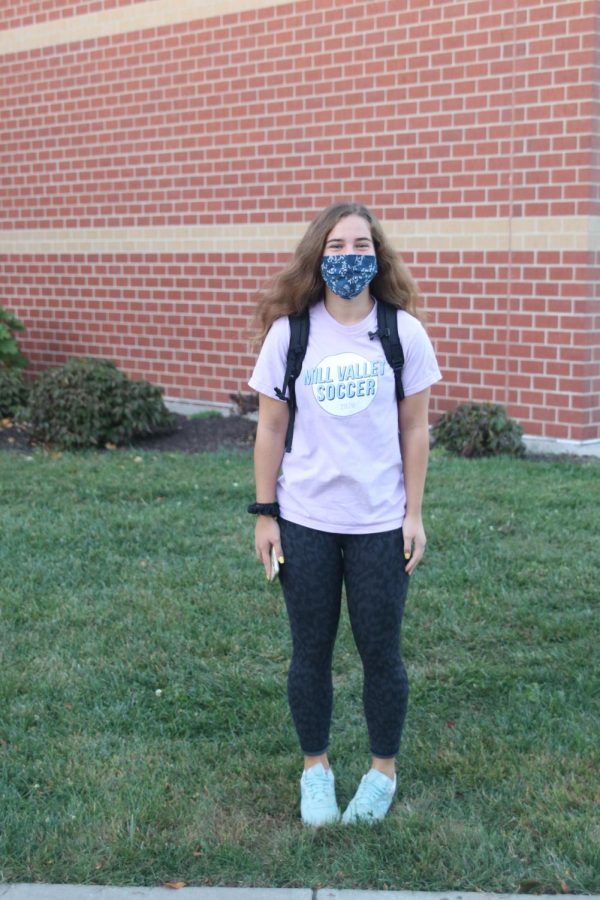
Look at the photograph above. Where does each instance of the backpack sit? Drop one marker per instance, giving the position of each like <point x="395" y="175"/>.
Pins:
<point x="387" y="332"/>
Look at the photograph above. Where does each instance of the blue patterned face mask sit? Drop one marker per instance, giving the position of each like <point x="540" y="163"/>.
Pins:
<point x="347" y="275"/>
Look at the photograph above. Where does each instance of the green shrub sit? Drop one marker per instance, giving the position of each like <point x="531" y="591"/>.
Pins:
<point x="90" y="403"/>
<point x="479" y="429"/>
<point x="10" y="355"/>
<point x="206" y="414"/>
<point x="14" y="391"/>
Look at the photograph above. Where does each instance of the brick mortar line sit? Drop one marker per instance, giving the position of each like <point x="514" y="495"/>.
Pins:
<point x="214" y="86"/>
<point x="180" y="49"/>
<point x="282" y="92"/>
<point x="190" y="130"/>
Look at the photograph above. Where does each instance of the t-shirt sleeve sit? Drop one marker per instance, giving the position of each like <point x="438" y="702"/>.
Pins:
<point x="420" y="365"/>
<point x="269" y="370"/>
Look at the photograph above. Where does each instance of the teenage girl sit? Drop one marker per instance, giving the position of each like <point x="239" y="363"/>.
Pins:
<point x="344" y="506"/>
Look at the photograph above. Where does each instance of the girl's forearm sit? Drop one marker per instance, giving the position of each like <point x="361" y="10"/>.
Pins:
<point x="268" y="454"/>
<point x="414" y="446"/>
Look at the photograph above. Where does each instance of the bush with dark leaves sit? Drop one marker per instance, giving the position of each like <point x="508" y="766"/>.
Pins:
<point x="10" y="354"/>
<point x="14" y="392"/>
<point x="479" y="429"/>
<point x="91" y="403"/>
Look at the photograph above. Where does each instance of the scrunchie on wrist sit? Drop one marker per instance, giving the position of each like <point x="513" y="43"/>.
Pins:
<point x="264" y="509"/>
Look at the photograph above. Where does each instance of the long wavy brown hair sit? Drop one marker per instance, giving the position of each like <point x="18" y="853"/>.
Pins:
<point x="300" y="284"/>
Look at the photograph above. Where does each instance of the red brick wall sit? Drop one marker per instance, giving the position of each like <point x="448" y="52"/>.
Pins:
<point x="429" y="112"/>
<point x="180" y="321"/>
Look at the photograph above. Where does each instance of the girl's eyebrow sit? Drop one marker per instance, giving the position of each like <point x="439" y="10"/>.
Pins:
<point x="360" y="240"/>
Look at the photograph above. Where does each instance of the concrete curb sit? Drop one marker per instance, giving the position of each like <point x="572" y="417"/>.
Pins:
<point x="99" y="892"/>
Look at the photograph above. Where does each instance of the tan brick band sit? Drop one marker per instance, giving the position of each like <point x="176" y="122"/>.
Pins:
<point x="570" y="233"/>
<point x="121" y="20"/>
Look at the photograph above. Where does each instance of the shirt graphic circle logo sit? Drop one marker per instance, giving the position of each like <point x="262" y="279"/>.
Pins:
<point x="345" y="384"/>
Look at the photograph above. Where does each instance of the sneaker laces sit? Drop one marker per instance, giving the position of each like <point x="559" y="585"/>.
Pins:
<point x="317" y="787"/>
<point x="368" y="795"/>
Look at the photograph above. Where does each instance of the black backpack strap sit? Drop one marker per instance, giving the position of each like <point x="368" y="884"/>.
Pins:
<point x="295" y="358"/>
<point x="387" y="332"/>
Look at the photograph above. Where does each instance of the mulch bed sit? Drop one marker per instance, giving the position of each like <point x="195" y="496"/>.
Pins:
<point x="188" y="436"/>
<point x="211" y="433"/>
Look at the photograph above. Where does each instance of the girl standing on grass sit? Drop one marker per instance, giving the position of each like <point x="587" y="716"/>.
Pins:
<point x="346" y="508"/>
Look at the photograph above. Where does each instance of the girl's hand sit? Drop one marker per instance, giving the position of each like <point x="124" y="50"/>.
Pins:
<point x="267" y="535"/>
<point x="414" y="542"/>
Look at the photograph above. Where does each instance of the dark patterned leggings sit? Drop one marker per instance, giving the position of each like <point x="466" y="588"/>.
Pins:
<point x="372" y="568"/>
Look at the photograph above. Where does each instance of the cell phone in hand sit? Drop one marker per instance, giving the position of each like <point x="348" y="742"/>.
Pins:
<point x="274" y="565"/>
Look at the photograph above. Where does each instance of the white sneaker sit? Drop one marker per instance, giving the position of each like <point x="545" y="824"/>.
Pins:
<point x="372" y="799"/>
<point x="318" y="805"/>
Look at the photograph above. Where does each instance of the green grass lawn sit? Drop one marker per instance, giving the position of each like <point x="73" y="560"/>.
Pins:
<point x="144" y="731"/>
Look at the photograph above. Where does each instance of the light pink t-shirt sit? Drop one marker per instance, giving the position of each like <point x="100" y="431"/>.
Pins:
<point x="344" y="472"/>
